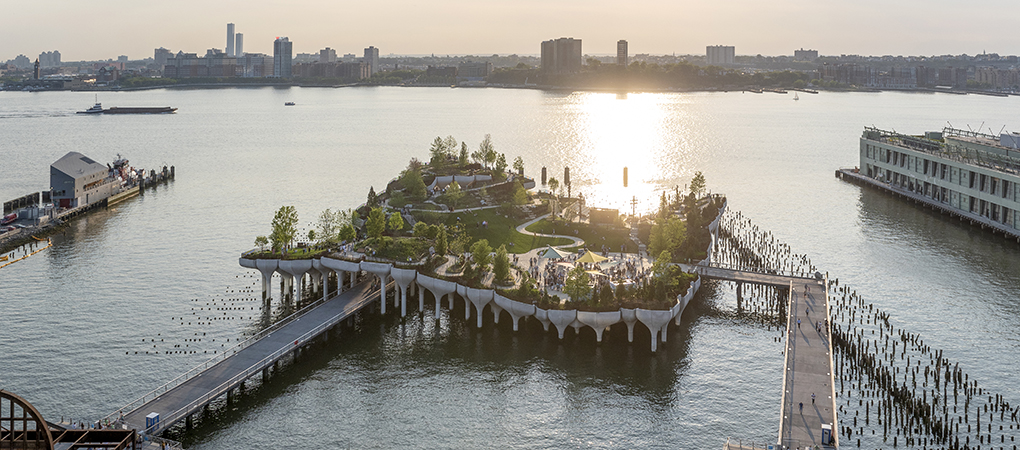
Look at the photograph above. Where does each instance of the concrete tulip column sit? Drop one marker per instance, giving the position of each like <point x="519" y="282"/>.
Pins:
<point x="629" y="317"/>
<point x="599" y="321"/>
<point x="561" y="319"/>
<point x="381" y="270"/>
<point x="296" y="269"/>
<point x="267" y="267"/>
<point x="404" y="278"/>
<point x="323" y="277"/>
<point x="479" y="298"/>
<point x="514" y="308"/>
<point x="655" y="320"/>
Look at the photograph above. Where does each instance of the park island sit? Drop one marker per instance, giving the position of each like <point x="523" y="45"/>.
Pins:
<point x="468" y="228"/>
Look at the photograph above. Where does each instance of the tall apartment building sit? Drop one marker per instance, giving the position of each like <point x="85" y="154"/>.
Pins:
<point x="805" y="55"/>
<point x="239" y="45"/>
<point x="561" y="55"/>
<point x="327" y="55"/>
<point x="621" y="53"/>
<point x="49" y="59"/>
<point x="160" y="56"/>
<point x="372" y="59"/>
<point x="230" y="39"/>
<point x="283" y="54"/>
<point x="716" y="55"/>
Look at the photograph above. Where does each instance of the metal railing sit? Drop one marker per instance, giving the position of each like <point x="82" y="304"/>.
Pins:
<point x="251" y="370"/>
<point x="759" y="270"/>
<point x="131" y="406"/>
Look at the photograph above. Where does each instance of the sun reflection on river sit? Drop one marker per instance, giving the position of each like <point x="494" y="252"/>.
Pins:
<point x="638" y="131"/>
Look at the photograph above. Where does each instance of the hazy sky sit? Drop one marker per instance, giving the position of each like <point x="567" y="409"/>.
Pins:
<point x="101" y="29"/>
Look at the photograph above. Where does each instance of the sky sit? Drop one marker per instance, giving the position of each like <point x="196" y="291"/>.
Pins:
<point x="102" y="29"/>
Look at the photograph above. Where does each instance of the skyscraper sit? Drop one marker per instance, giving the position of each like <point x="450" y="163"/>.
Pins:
<point x="621" y="53"/>
<point x="282" y="55"/>
<point x="160" y="55"/>
<point x="327" y="55"/>
<point x="238" y="45"/>
<point x="719" y="54"/>
<point x="372" y="59"/>
<point x="230" y="39"/>
<point x="561" y="55"/>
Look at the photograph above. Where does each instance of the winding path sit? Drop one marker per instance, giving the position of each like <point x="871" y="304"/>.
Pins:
<point x="577" y="242"/>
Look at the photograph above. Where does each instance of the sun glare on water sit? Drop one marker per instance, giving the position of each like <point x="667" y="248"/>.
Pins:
<point x="636" y="131"/>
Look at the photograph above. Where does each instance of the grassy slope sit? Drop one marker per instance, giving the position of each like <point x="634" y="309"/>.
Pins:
<point x="591" y="235"/>
<point x="501" y="230"/>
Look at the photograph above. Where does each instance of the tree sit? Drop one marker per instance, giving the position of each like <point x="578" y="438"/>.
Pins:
<point x="487" y="150"/>
<point x="577" y="286"/>
<point x="347" y="233"/>
<point x="667" y="236"/>
<point x="437" y="152"/>
<point x="420" y="230"/>
<point x="442" y="244"/>
<point x="520" y="195"/>
<point x="453" y="194"/>
<point x="698" y="184"/>
<point x="500" y="171"/>
<point x="554" y="186"/>
<point x="480" y="253"/>
<point x="463" y="160"/>
<point x="449" y="146"/>
<point x="373" y="200"/>
<point x="396" y="222"/>
<point x="414" y="186"/>
<point x="376" y="223"/>
<point x="519" y="165"/>
<point x="262" y="242"/>
<point x="284" y="227"/>
<point x="311" y="235"/>
<point x="328" y="225"/>
<point x="501" y="265"/>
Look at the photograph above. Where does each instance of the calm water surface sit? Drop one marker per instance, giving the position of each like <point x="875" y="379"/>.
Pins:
<point x="74" y="316"/>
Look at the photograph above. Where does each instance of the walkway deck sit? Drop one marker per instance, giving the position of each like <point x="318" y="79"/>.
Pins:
<point x="190" y="396"/>
<point x="808" y="376"/>
<point x="745" y="276"/>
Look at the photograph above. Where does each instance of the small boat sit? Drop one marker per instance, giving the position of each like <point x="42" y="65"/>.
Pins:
<point x="795" y="97"/>
<point x="289" y="104"/>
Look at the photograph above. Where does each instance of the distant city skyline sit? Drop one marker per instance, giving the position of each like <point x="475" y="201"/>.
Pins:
<point x="870" y="27"/>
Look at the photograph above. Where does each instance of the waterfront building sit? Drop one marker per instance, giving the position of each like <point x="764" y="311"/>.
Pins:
<point x="561" y="55"/>
<point x="238" y="45"/>
<point x="255" y="65"/>
<point x="473" y="69"/>
<point x="372" y="59"/>
<point x="716" y="55"/>
<point x="971" y="174"/>
<point x="805" y="55"/>
<point x="230" y="39"/>
<point x="441" y="71"/>
<point x="998" y="78"/>
<point x="621" y="53"/>
<point x="327" y="55"/>
<point x="49" y="59"/>
<point x="345" y="70"/>
<point x="282" y="56"/>
<point x="214" y="64"/>
<point x="77" y="180"/>
<point x="160" y="56"/>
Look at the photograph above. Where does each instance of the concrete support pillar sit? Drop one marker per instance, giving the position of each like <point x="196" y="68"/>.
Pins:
<point x="382" y="293"/>
<point x="265" y="374"/>
<point x="403" y="302"/>
<point x="230" y="396"/>
<point x="439" y="299"/>
<point x="421" y="299"/>
<point x="189" y="422"/>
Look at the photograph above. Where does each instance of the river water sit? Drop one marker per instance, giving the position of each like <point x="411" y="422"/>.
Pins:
<point x="76" y="320"/>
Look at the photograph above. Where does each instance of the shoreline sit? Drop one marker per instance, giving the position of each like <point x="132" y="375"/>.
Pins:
<point x="751" y="89"/>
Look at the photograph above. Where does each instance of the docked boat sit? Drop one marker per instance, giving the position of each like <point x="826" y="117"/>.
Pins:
<point x="98" y="109"/>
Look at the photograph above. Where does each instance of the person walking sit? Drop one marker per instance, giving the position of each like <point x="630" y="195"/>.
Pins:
<point x="812" y="398"/>
<point x="802" y="407"/>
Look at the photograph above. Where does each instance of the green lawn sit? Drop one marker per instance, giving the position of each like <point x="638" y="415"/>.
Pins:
<point x="592" y="235"/>
<point x="501" y="230"/>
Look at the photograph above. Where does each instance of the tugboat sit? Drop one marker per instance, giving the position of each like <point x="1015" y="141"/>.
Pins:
<point x="98" y="109"/>
<point x="289" y="104"/>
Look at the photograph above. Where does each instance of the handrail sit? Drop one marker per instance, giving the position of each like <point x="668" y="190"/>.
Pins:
<point x="762" y="271"/>
<point x="786" y="360"/>
<point x="131" y="406"/>
<point x="216" y="392"/>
